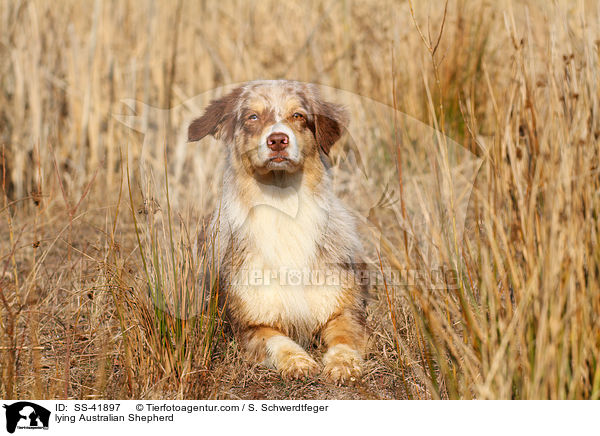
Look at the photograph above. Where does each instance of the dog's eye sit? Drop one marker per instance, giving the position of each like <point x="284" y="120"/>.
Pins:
<point x="298" y="116"/>
<point x="253" y="117"/>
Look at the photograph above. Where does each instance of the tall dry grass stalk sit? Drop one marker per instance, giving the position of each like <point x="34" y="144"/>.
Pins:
<point x="523" y="321"/>
<point x="99" y="289"/>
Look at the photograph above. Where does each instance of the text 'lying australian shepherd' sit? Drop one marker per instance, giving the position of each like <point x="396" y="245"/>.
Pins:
<point x="278" y="215"/>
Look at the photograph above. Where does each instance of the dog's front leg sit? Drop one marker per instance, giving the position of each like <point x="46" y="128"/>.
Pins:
<point x="346" y="338"/>
<point x="274" y="349"/>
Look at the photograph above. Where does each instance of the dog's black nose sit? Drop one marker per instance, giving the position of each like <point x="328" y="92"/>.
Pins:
<point x="278" y="141"/>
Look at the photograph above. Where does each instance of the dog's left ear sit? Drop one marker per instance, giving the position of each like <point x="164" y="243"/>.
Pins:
<point x="330" y="119"/>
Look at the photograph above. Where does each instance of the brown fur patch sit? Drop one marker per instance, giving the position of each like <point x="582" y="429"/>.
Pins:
<point x="254" y="339"/>
<point x="347" y="327"/>
<point x="253" y="128"/>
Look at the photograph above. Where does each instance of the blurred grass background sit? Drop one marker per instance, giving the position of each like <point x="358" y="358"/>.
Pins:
<point x="84" y="247"/>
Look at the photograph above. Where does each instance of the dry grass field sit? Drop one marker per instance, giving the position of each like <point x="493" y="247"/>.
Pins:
<point x="99" y="265"/>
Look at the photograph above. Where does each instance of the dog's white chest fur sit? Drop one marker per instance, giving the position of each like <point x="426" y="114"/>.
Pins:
<point x="276" y="281"/>
<point x="284" y="224"/>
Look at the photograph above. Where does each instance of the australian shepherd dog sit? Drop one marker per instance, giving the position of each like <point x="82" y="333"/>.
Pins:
<point x="290" y="272"/>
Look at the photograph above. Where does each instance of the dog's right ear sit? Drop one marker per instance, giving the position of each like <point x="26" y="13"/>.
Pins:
<point x="218" y="119"/>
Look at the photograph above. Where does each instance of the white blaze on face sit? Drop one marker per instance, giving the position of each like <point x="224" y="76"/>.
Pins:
<point x="292" y="149"/>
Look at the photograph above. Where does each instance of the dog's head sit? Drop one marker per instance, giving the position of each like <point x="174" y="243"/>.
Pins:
<point x="273" y="125"/>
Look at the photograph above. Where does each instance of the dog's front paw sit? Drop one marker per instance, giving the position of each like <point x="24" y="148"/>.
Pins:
<point x="297" y="365"/>
<point x="343" y="364"/>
